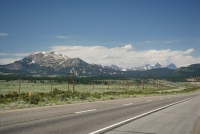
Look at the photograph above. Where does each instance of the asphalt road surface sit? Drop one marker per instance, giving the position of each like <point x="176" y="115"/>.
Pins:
<point x="91" y="117"/>
<point x="181" y="118"/>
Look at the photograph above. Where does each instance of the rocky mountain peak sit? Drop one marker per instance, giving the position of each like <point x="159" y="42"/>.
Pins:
<point x="51" y="54"/>
<point x="49" y="59"/>
<point x="115" y="67"/>
<point x="171" y="66"/>
<point x="157" y="65"/>
<point x="48" y="63"/>
<point x="147" y="67"/>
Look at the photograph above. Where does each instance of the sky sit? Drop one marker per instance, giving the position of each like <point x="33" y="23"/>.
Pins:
<point x="126" y="33"/>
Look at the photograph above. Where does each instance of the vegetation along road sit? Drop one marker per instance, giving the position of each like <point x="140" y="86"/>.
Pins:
<point x="94" y="116"/>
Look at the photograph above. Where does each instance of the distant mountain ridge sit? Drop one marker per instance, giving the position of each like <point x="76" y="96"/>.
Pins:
<point x="145" y="67"/>
<point x="52" y="63"/>
<point x="148" y="67"/>
<point x="171" y="66"/>
<point x="191" y="70"/>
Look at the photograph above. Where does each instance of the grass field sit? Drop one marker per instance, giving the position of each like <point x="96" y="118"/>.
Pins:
<point x="47" y="93"/>
<point x="117" y="85"/>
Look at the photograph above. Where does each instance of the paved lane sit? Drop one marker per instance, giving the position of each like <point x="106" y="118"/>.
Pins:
<point x="79" y="118"/>
<point x="181" y="118"/>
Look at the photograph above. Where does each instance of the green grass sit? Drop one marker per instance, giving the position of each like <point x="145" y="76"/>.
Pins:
<point x="41" y="94"/>
<point x="12" y="86"/>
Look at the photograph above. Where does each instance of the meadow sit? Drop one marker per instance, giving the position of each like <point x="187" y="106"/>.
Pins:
<point x="23" y="93"/>
<point x="105" y="85"/>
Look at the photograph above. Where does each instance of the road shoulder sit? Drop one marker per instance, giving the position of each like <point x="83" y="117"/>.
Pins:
<point x="197" y="128"/>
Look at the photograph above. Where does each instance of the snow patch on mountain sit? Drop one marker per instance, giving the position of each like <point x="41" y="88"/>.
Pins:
<point x="145" y="67"/>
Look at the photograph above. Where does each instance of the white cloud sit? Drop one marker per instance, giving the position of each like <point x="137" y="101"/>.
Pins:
<point x="189" y="51"/>
<point x="126" y="56"/>
<point x="156" y="41"/>
<point x="14" y="54"/>
<point x="21" y="54"/>
<point x="3" y="34"/>
<point x="170" y="41"/>
<point x="147" y="42"/>
<point x="128" y="47"/>
<point x="63" y="37"/>
<point x="8" y="60"/>
<point x="11" y="57"/>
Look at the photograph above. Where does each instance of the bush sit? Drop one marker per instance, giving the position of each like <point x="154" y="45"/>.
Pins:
<point x="97" y="95"/>
<point x="56" y="91"/>
<point x="44" y="99"/>
<point x="1" y="98"/>
<point x="83" y="96"/>
<point x="12" y="95"/>
<point x="35" y="98"/>
<point x="24" y="96"/>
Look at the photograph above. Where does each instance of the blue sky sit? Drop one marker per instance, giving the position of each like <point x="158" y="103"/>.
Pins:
<point x="161" y="31"/>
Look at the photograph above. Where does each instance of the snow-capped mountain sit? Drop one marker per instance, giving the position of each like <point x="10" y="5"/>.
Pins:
<point x="45" y="63"/>
<point x="43" y="59"/>
<point x="147" y="67"/>
<point x="156" y="66"/>
<point x="115" y="67"/>
<point x="48" y="59"/>
<point x="52" y="63"/>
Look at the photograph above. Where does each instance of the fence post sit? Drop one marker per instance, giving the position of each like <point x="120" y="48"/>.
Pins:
<point x="68" y="81"/>
<point x="93" y="85"/>
<point x="73" y="86"/>
<point x="51" y="86"/>
<point x="19" y="85"/>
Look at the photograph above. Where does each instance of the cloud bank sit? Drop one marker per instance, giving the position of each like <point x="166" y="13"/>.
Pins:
<point x="6" y="58"/>
<point x="14" y="54"/>
<point x="126" y="56"/>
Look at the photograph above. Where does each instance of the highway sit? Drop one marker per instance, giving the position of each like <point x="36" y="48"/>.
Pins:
<point x="182" y="118"/>
<point x="96" y="116"/>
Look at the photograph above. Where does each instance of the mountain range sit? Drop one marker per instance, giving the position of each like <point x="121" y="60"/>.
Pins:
<point x="145" y="67"/>
<point x="52" y="63"/>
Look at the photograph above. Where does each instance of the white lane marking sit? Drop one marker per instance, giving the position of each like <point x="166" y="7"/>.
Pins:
<point x="139" y="116"/>
<point x="148" y="100"/>
<point x="85" y="111"/>
<point x="127" y="104"/>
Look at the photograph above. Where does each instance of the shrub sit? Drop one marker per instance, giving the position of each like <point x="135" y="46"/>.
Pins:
<point x="97" y="95"/>
<point x="56" y="91"/>
<point x="83" y="96"/>
<point x="35" y="98"/>
<point x="12" y="95"/>
<point x="44" y="99"/>
<point x="1" y="98"/>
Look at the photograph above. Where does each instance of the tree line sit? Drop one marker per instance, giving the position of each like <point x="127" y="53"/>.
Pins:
<point x="86" y="79"/>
